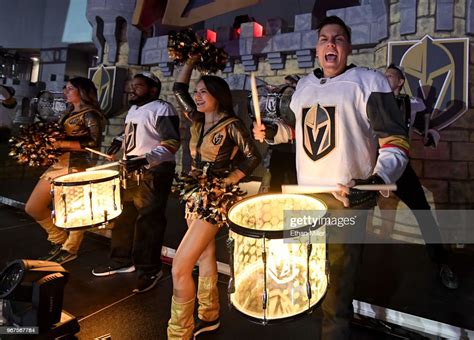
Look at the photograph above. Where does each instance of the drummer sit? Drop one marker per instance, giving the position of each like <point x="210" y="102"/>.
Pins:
<point x="342" y="113"/>
<point x="216" y="136"/>
<point x="149" y="144"/>
<point x="83" y="123"/>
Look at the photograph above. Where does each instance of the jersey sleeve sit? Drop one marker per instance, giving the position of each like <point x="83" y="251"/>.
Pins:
<point x="181" y="92"/>
<point x="387" y="122"/>
<point x="94" y="124"/>
<point x="167" y="126"/>
<point x="246" y="145"/>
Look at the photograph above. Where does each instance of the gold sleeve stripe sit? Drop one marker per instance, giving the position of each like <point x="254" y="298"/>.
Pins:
<point x="397" y="140"/>
<point x="171" y="144"/>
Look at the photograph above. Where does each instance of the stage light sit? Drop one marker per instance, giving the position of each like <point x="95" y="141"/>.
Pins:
<point x="211" y="36"/>
<point x="32" y="291"/>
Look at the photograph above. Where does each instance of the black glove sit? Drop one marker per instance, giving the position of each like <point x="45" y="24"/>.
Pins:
<point x="134" y="163"/>
<point x="364" y="198"/>
<point x="115" y="146"/>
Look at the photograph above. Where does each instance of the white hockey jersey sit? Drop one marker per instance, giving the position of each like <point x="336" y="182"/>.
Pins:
<point x="339" y="122"/>
<point x="152" y="130"/>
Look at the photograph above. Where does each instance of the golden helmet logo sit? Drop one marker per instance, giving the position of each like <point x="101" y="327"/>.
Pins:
<point x="110" y="84"/>
<point x="103" y="80"/>
<point x="436" y="71"/>
<point x="318" y="131"/>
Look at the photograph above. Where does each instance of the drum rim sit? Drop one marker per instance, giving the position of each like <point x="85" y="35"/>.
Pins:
<point x="92" y="181"/>
<point x="89" y="226"/>
<point x="269" y="234"/>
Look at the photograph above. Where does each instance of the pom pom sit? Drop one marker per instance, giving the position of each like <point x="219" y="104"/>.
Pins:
<point x="207" y="196"/>
<point x="186" y="43"/>
<point x="34" y="144"/>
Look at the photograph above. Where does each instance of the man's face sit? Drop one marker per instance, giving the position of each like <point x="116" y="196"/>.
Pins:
<point x="332" y="50"/>
<point x="139" y="93"/>
<point x="394" y="79"/>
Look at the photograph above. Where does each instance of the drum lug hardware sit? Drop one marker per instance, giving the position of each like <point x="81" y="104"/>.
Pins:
<point x="63" y="197"/>
<point x="114" y="187"/>
<point x="265" y="293"/>
<point x="90" y="204"/>
<point x="309" y="249"/>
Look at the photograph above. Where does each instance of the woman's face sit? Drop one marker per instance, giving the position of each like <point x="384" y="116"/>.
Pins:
<point x="205" y="102"/>
<point x="72" y="94"/>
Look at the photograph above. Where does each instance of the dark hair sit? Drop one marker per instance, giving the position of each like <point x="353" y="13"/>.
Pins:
<point x="397" y="69"/>
<point x="220" y="90"/>
<point x="294" y="78"/>
<point x="87" y="92"/>
<point x="155" y="82"/>
<point x="334" y="20"/>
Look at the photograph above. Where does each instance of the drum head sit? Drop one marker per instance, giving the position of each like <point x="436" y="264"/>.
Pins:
<point x="270" y="215"/>
<point x="76" y="178"/>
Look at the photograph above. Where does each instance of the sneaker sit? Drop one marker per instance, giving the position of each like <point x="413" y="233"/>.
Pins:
<point x="54" y="249"/>
<point x="147" y="282"/>
<point x="113" y="268"/>
<point x="63" y="256"/>
<point x="205" y="326"/>
<point x="448" y="278"/>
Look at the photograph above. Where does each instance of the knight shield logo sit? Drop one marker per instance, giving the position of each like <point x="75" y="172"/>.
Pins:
<point x="217" y="138"/>
<point x="103" y="79"/>
<point x="319" y="137"/>
<point x="110" y="84"/>
<point x="130" y="137"/>
<point x="436" y="71"/>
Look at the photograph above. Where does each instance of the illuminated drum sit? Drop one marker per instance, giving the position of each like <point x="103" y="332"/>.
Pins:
<point x="86" y="199"/>
<point x="277" y="270"/>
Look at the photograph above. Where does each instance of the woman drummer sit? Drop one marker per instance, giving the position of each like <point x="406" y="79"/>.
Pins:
<point x="216" y="136"/>
<point x="83" y="124"/>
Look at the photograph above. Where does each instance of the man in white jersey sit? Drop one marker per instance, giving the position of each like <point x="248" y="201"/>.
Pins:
<point x="410" y="191"/>
<point x="149" y="144"/>
<point x="343" y="114"/>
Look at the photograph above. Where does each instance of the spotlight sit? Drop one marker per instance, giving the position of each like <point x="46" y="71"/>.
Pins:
<point x="32" y="291"/>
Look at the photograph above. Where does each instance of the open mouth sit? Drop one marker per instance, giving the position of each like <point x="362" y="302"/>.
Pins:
<point x="330" y="57"/>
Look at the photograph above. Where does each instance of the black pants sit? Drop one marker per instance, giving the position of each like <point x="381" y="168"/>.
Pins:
<point x="138" y="235"/>
<point x="411" y="193"/>
<point x="345" y="246"/>
<point x="282" y="169"/>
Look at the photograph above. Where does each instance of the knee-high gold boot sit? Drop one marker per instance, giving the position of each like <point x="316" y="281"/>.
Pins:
<point x="208" y="298"/>
<point x="181" y="323"/>
<point x="208" y="310"/>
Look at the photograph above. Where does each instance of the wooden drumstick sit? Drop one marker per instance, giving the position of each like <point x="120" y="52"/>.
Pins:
<point x="103" y="166"/>
<point x="256" y="106"/>
<point x="314" y="189"/>
<point x="99" y="153"/>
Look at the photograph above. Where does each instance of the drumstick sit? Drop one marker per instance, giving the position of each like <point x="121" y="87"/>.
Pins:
<point x="256" y="106"/>
<point x="99" y="153"/>
<point x="103" y="166"/>
<point x="313" y="189"/>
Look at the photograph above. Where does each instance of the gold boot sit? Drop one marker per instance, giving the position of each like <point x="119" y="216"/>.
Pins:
<point x="181" y="323"/>
<point x="208" y="310"/>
